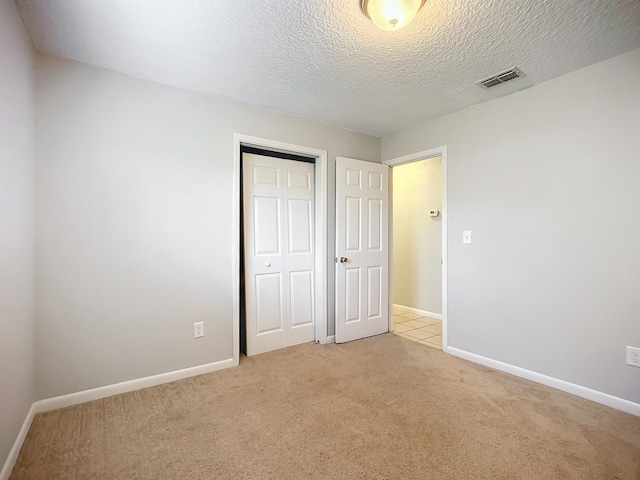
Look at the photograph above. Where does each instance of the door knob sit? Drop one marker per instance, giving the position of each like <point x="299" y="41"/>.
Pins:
<point x="344" y="259"/>
<point x="268" y="264"/>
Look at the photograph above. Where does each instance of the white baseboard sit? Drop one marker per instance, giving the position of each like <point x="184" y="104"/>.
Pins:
<point x="424" y="313"/>
<point x="128" y="386"/>
<point x="17" y="445"/>
<point x="102" y="392"/>
<point x="331" y="339"/>
<point x="578" y="390"/>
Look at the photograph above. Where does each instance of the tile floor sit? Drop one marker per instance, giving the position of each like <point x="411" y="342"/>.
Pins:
<point x="412" y="326"/>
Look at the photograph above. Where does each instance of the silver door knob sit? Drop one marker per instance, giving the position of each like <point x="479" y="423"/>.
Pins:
<point x="268" y="264"/>
<point x="344" y="259"/>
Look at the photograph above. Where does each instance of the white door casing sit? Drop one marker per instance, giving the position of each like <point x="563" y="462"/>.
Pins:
<point x="278" y="199"/>
<point x="362" y="278"/>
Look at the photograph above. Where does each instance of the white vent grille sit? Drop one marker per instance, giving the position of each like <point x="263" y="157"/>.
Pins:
<point x="500" y="78"/>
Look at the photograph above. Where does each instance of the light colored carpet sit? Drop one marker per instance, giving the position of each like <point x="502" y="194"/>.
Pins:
<point x="379" y="408"/>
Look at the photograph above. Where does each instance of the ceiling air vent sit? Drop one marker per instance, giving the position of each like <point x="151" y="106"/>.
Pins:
<point x="500" y="78"/>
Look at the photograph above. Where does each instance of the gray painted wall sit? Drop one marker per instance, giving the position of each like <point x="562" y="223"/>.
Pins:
<point x="548" y="181"/>
<point x="17" y="391"/>
<point x="417" y="237"/>
<point x="133" y="220"/>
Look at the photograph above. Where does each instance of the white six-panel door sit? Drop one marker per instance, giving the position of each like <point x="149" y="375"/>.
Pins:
<point x="362" y="277"/>
<point x="279" y="252"/>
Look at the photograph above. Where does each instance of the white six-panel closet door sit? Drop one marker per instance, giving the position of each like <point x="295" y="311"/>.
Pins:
<point x="278" y="204"/>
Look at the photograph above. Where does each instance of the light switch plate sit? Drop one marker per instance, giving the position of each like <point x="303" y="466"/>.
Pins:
<point x="466" y="236"/>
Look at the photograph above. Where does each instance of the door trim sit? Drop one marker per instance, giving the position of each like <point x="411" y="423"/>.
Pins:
<point x="320" y="261"/>
<point x="414" y="157"/>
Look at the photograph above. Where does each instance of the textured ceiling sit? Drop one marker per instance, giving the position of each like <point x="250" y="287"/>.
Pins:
<point x="324" y="60"/>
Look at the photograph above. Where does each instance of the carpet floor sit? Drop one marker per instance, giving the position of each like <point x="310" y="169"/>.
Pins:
<point x="379" y="408"/>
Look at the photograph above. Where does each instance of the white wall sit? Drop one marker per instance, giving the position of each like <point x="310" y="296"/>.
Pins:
<point x="17" y="391"/>
<point x="548" y="180"/>
<point x="417" y="237"/>
<point x="134" y="219"/>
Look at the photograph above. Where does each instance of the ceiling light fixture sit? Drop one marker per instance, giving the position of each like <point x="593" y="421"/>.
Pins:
<point x="391" y="14"/>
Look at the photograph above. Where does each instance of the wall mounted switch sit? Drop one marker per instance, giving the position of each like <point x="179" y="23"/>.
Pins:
<point x="466" y="236"/>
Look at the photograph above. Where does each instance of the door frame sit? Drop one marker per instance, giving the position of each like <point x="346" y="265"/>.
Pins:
<point x="320" y="226"/>
<point x="415" y="157"/>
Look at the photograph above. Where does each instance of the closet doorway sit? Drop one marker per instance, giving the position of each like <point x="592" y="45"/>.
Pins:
<point x="279" y="245"/>
<point x="278" y="253"/>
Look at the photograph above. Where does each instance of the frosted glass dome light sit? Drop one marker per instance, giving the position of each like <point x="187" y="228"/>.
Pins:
<point x="391" y="14"/>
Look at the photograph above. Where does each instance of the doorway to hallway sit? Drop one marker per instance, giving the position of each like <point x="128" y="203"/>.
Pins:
<point x="417" y="264"/>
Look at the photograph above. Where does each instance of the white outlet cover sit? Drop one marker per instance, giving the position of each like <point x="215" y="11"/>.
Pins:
<point x="198" y="329"/>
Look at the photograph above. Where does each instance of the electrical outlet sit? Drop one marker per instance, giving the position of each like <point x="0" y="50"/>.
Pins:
<point x="633" y="356"/>
<point x="198" y="329"/>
